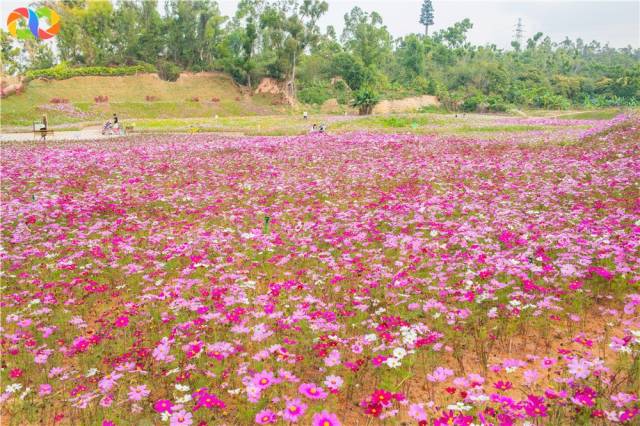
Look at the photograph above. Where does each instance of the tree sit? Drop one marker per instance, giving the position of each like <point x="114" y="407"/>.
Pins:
<point x="9" y="54"/>
<point x="290" y="28"/>
<point x="366" y="37"/>
<point x="426" y="15"/>
<point x="351" y="69"/>
<point x="456" y="35"/>
<point x="412" y="56"/>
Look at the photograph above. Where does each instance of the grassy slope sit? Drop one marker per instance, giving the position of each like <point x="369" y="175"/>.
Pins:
<point x="127" y="98"/>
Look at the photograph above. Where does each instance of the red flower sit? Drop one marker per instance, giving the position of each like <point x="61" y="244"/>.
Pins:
<point x="373" y="409"/>
<point x="381" y="396"/>
<point x="503" y="386"/>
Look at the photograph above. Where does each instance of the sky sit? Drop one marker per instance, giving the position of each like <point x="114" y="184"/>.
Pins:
<point x="616" y="22"/>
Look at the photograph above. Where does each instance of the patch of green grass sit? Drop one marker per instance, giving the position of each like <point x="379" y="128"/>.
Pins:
<point x="273" y="125"/>
<point x="498" y="128"/>
<point x="406" y="122"/>
<point x="217" y="94"/>
<point x="598" y="114"/>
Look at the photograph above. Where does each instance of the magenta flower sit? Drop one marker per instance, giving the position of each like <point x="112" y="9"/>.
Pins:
<point x="535" y="407"/>
<point x="263" y="379"/>
<point x="121" y="321"/>
<point x="162" y="405"/>
<point x="503" y="385"/>
<point x="266" y="417"/>
<point x="325" y="419"/>
<point x="312" y="391"/>
<point x="293" y="410"/>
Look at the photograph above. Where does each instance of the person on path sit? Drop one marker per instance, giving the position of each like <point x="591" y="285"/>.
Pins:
<point x="44" y="127"/>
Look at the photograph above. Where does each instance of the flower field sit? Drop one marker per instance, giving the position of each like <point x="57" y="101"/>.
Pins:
<point x="354" y="279"/>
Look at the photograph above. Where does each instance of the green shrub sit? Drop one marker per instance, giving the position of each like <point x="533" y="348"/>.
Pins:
<point x="551" y="101"/>
<point x="365" y="99"/>
<point x="314" y="95"/>
<point x="473" y="103"/>
<point x="496" y="104"/>
<point x="63" y="71"/>
<point x="432" y="109"/>
<point x="168" y="71"/>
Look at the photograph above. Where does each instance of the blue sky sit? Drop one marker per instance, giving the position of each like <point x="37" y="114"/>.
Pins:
<point x="613" y="21"/>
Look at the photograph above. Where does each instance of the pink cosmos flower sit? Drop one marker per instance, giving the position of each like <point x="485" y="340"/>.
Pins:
<point x="45" y="389"/>
<point x="106" y="401"/>
<point x="263" y="380"/>
<point x="417" y="412"/>
<point x="325" y="419"/>
<point x="333" y="359"/>
<point x="333" y="382"/>
<point x="293" y="410"/>
<point x="266" y="417"/>
<point x="108" y="382"/>
<point x="621" y="399"/>
<point x="288" y="376"/>
<point x="530" y="376"/>
<point x="579" y="368"/>
<point x="312" y="391"/>
<point x="181" y="418"/>
<point x="138" y="393"/>
<point x="440" y="374"/>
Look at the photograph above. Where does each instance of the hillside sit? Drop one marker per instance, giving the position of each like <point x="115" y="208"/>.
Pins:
<point x="135" y="96"/>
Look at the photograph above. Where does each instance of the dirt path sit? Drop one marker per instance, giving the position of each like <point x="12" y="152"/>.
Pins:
<point x="88" y="133"/>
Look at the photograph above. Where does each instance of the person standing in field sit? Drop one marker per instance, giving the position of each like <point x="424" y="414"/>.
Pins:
<point x="44" y="127"/>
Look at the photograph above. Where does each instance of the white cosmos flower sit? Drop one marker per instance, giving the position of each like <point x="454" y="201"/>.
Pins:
<point x="393" y="362"/>
<point x="14" y="388"/>
<point x="459" y="406"/>
<point x="25" y="393"/>
<point x="186" y="398"/>
<point x="399" y="353"/>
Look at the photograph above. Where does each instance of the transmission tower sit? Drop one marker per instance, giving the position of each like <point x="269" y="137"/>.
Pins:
<point x="519" y="32"/>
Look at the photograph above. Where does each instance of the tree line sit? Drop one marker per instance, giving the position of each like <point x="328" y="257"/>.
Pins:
<point x="283" y="40"/>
